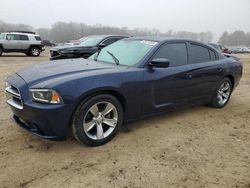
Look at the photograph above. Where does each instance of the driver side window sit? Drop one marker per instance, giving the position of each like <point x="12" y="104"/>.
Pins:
<point x="176" y="53"/>
<point x="10" y="37"/>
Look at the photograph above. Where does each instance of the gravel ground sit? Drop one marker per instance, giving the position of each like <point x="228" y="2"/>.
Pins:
<point x="195" y="147"/>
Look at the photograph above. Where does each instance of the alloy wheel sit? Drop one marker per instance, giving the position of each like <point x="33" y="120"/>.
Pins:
<point x="223" y="93"/>
<point x="35" y="52"/>
<point x="100" y="120"/>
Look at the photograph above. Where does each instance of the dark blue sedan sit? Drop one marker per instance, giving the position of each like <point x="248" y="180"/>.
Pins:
<point x="130" y="79"/>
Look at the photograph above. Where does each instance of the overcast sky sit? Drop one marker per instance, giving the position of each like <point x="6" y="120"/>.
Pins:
<point x="190" y="15"/>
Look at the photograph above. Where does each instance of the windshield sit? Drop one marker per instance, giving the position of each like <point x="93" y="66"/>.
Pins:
<point x="126" y="52"/>
<point x="91" y="41"/>
<point x="2" y="36"/>
<point x="82" y="39"/>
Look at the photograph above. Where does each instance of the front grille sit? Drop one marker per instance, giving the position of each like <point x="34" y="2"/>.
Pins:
<point x="13" y="97"/>
<point x="54" y="53"/>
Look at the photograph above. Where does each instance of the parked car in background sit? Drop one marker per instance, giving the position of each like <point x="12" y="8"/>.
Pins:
<point x="86" y="48"/>
<point x="21" y="41"/>
<point x="72" y="42"/>
<point x="129" y="79"/>
<point x="59" y="44"/>
<point x="48" y="43"/>
<point x="240" y="50"/>
<point x="221" y="48"/>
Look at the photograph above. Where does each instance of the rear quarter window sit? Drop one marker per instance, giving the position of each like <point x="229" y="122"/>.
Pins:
<point x="38" y="38"/>
<point x="213" y="56"/>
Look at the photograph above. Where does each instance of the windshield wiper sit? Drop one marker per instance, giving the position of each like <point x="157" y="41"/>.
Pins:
<point x="97" y="54"/>
<point x="114" y="58"/>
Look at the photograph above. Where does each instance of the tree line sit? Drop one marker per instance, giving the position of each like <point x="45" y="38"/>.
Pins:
<point x="237" y="38"/>
<point x="64" y="31"/>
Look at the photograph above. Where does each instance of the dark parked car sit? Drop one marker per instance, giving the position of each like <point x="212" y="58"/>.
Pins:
<point x="130" y="79"/>
<point x="86" y="48"/>
<point x="48" y="43"/>
<point x="221" y="48"/>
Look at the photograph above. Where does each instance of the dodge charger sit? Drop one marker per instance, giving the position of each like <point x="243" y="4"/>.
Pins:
<point x="127" y="80"/>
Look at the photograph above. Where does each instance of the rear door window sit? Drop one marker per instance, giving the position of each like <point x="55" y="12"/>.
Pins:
<point x="24" y="37"/>
<point x="199" y="53"/>
<point x="176" y="53"/>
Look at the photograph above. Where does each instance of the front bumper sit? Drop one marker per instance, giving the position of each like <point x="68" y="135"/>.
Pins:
<point x="49" y="121"/>
<point x="57" y="55"/>
<point x="46" y="121"/>
<point x="34" y="129"/>
<point x="43" y="48"/>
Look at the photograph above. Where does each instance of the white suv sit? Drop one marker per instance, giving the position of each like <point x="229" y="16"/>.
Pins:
<point x="24" y="42"/>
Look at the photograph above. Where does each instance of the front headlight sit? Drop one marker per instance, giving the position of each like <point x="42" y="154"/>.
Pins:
<point x="7" y="85"/>
<point x="46" y="96"/>
<point x="67" y="51"/>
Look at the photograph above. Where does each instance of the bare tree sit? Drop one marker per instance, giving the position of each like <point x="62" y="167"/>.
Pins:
<point x="237" y="38"/>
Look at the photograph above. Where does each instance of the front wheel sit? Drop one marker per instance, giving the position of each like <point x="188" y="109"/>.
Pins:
<point x="34" y="51"/>
<point x="1" y="51"/>
<point x="97" y="120"/>
<point x="222" y="94"/>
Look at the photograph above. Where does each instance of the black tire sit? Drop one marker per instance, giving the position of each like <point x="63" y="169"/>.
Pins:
<point x="216" y="102"/>
<point x="34" y="51"/>
<point x="83" y="112"/>
<point x="1" y="51"/>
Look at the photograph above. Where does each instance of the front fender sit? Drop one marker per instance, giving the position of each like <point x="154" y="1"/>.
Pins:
<point x="127" y="85"/>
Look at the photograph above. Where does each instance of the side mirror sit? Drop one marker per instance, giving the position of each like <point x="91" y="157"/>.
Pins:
<point x="101" y="45"/>
<point x="161" y="62"/>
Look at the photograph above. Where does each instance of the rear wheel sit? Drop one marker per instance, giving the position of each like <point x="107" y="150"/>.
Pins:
<point x="97" y="120"/>
<point x="222" y="94"/>
<point x="34" y="51"/>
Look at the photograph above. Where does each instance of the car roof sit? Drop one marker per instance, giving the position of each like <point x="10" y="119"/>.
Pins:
<point x="164" y="39"/>
<point x="105" y="36"/>
<point x="20" y="33"/>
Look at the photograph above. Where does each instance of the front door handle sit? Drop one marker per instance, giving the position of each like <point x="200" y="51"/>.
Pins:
<point x="219" y="68"/>
<point x="189" y="75"/>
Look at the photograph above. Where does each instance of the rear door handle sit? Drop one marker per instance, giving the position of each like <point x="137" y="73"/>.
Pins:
<point x="189" y="75"/>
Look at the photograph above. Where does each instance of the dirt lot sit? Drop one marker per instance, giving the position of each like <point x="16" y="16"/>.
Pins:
<point x="198" y="147"/>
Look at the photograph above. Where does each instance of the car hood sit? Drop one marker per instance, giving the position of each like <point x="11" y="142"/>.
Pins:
<point x="61" y="68"/>
<point x="70" y="47"/>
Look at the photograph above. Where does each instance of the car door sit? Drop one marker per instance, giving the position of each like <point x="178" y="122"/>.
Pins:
<point x="24" y="42"/>
<point x="166" y="88"/>
<point x="205" y="70"/>
<point x="10" y="42"/>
